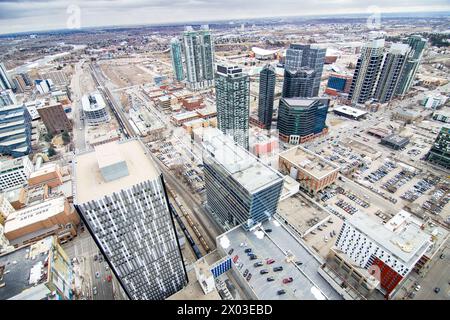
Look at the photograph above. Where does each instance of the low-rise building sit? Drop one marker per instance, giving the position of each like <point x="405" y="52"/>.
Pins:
<point x="349" y="112"/>
<point x="5" y="208"/>
<point x="394" y="141"/>
<point x="180" y="118"/>
<point x="40" y="271"/>
<point x="51" y="217"/>
<point x="389" y="251"/>
<point x="312" y="171"/>
<point x="50" y="174"/>
<point x="408" y="116"/>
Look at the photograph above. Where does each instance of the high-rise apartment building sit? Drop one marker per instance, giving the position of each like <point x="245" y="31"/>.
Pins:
<point x="121" y="197"/>
<point x="417" y="45"/>
<point x="240" y="189"/>
<point x="199" y="57"/>
<point x="306" y="57"/>
<point x="267" y="79"/>
<point x="176" y="54"/>
<point x="391" y="72"/>
<point x="366" y="72"/>
<point x="15" y="130"/>
<point x="5" y="80"/>
<point x="302" y="119"/>
<point x="440" y="151"/>
<point x="233" y="101"/>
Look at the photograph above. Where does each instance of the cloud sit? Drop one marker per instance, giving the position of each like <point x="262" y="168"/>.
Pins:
<point x="27" y="15"/>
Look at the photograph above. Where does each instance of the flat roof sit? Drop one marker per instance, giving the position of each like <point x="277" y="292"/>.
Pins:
<point x="309" y="161"/>
<point x="350" y="111"/>
<point x="97" y="105"/>
<point x="18" y="268"/>
<point x="396" y="139"/>
<point x="185" y="115"/>
<point x="308" y="284"/>
<point x="405" y="243"/>
<point x="88" y="180"/>
<point x="35" y="213"/>
<point x="238" y="162"/>
<point x="264" y="52"/>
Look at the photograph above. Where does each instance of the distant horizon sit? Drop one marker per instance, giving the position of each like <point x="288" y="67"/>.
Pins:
<point x="6" y="30"/>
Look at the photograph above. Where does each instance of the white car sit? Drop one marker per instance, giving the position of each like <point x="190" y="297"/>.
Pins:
<point x="417" y="288"/>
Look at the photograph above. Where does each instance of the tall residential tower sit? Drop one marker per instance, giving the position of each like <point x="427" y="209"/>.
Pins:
<point x="199" y="58"/>
<point x="176" y="53"/>
<point x="366" y="72"/>
<point x="391" y="72"/>
<point x="233" y="100"/>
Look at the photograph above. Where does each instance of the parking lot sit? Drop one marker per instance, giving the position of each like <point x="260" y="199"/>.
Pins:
<point x="280" y="246"/>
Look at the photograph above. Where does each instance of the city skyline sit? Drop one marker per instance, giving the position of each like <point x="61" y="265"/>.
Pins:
<point x="18" y="16"/>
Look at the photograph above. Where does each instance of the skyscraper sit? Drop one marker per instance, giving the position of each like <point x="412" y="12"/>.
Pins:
<point x="199" y="57"/>
<point x="5" y="81"/>
<point x="267" y="80"/>
<point x="240" y="189"/>
<point x="417" y="45"/>
<point x="308" y="57"/>
<point x="121" y="197"/>
<point x="301" y="119"/>
<point x="15" y="130"/>
<point x="440" y="151"/>
<point x="366" y="71"/>
<point x="176" y="54"/>
<point x="233" y="100"/>
<point x="7" y="97"/>
<point x="391" y="72"/>
<point x="298" y="83"/>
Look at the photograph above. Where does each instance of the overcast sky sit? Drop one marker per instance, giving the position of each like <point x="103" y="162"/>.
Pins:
<point x="34" y="15"/>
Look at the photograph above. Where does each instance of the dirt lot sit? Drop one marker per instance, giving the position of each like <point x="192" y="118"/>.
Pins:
<point x="124" y="75"/>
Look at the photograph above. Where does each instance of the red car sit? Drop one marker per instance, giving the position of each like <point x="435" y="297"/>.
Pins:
<point x="270" y="261"/>
<point x="108" y="278"/>
<point x="288" y="280"/>
<point x="236" y="257"/>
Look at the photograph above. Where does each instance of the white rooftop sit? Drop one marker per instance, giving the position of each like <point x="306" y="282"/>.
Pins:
<point x="97" y="104"/>
<point x="350" y="111"/>
<point x="401" y="237"/>
<point x="242" y="165"/>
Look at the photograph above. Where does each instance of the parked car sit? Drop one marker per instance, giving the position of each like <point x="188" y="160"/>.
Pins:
<point x="94" y="290"/>
<point x="270" y="261"/>
<point x="270" y="279"/>
<point x="280" y="292"/>
<point x="268" y="230"/>
<point x="276" y="269"/>
<point x="231" y="251"/>
<point x="249" y="277"/>
<point x="253" y="257"/>
<point x="258" y="264"/>
<point x="97" y="275"/>
<point x="288" y="280"/>
<point x="245" y="273"/>
<point x="299" y="263"/>
<point x="248" y="250"/>
<point x="264" y="271"/>
<point x="436" y="290"/>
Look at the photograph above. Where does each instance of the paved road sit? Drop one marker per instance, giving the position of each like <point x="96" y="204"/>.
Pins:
<point x="437" y="277"/>
<point x="84" y="249"/>
<point x="77" y="109"/>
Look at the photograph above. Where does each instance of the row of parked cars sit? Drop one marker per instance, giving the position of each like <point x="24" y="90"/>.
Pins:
<point x="418" y="189"/>
<point x="258" y="264"/>
<point x="381" y="172"/>
<point x="347" y="207"/>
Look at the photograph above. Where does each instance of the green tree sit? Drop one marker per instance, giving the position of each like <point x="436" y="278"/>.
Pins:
<point x="48" y="137"/>
<point x="51" y="152"/>
<point x="66" y="137"/>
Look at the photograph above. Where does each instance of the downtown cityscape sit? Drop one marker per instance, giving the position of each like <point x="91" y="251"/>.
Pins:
<point x="300" y="157"/>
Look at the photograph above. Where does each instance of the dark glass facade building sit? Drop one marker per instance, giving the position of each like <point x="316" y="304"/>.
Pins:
<point x="301" y="117"/>
<point x="267" y="80"/>
<point x="440" y="151"/>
